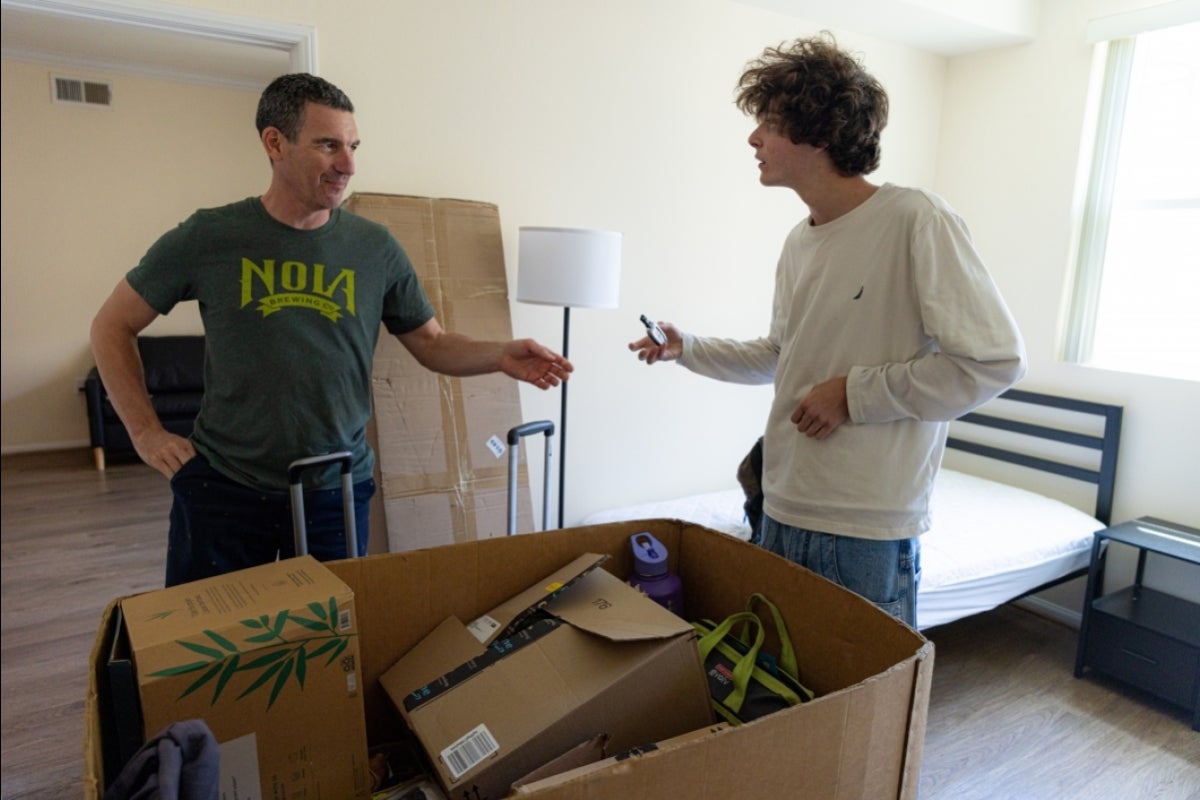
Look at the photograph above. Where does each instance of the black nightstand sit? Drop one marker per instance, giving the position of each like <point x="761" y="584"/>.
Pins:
<point x="1142" y="636"/>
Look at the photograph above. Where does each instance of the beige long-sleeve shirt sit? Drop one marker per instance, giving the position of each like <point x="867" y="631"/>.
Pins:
<point x="894" y="296"/>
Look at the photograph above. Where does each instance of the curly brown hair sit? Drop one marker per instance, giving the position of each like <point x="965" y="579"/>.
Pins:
<point x="818" y="94"/>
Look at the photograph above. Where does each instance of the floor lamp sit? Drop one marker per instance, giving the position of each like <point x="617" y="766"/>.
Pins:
<point x="568" y="267"/>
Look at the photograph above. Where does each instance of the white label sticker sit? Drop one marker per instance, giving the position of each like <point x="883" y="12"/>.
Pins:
<point x="468" y="751"/>
<point x="496" y="446"/>
<point x="483" y="627"/>
<point x="239" y="769"/>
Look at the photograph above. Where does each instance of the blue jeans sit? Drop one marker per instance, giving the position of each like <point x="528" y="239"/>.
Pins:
<point x="219" y="525"/>
<point x="885" y="572"/>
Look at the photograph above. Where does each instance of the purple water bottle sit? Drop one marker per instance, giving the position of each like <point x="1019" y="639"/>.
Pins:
<point x="650" y="573"/>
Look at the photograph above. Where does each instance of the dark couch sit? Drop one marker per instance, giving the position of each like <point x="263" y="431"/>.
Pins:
<point x="174" y="368"/>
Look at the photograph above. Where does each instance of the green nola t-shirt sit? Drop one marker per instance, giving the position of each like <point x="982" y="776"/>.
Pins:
<point x="291" y="319"/>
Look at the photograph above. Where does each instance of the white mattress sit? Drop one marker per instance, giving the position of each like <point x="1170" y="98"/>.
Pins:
<point x="990" y="542"/>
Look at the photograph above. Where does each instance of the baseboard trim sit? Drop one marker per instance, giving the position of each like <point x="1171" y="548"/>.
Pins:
<point x="45" y="447"/>
<point x="1052" y="611"/>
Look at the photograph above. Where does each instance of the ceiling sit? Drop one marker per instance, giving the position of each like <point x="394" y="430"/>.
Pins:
<point x="945" y="27"/>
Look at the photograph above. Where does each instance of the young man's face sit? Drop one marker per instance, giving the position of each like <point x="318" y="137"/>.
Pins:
<point x="781" y="162"/>
<point x="316" y="168"/>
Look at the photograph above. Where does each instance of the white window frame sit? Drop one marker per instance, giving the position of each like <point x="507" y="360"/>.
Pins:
<point x="1115" y="38"/>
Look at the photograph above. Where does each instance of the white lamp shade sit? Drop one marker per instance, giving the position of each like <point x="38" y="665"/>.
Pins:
<point x="570" y="267"/>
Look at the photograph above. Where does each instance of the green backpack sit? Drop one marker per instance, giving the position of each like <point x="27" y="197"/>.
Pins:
<point x="745" y="683"/>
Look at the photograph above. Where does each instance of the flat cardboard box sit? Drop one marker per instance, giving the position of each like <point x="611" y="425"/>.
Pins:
<point x="268" y="657"/>
<point x="581" y="756"/>
<point x="862" y="737"/>
<point x="495" y="699"/>
<point x="590" y="756"/>
<point x="440" y="442"/>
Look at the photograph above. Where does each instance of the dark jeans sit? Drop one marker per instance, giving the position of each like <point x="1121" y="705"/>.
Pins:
<point x="218" y="525"/>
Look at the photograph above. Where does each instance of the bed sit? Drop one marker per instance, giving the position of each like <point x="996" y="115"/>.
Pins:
<point x="1006" y="506"/>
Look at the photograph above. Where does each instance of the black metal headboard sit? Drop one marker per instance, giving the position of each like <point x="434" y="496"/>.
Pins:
<point x="1107" y="443"/>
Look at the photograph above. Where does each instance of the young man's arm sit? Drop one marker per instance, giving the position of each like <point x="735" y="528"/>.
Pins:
<point x="114" y="344"/>
<point x="980" y="351"/>
<point x="454" y="354"/>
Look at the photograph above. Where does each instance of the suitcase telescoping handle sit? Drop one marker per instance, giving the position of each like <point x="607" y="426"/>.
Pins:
<point x="514" y="437"/>
<point x="300" y="528"/>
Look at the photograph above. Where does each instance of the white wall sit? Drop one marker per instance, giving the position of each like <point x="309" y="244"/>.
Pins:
<point x="614" y="115"/>
<point x="617" y="116"/>
<point x="85" y="191"/>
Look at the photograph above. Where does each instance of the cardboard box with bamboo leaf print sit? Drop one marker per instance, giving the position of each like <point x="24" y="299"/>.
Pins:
<point x="269" y="657"/>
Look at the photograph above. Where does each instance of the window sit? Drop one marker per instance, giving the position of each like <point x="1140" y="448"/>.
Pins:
<point x="1136" y="300"/>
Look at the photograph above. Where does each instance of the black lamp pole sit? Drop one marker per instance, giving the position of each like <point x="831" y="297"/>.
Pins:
<point x="562" y="420"/>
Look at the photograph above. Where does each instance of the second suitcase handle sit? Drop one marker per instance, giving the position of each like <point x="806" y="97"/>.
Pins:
<point x="300" y="528"/>
<point x="514" y="438"/>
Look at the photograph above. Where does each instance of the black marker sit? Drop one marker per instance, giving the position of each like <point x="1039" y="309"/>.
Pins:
<point x="656" y="333"/>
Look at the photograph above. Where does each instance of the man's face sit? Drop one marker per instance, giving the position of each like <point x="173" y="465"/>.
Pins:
<point x="781" y="162"/>
<point x="316" y="168"/>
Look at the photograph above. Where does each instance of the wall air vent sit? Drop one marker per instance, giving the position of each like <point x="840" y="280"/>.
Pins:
<point x="74" y="90"/>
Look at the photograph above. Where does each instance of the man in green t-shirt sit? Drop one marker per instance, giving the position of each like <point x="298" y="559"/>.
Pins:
<point x="292" y="290"/>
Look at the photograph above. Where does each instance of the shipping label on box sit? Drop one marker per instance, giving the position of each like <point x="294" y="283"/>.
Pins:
<point x="269" y="658"/>
<point x="578" y="654"/>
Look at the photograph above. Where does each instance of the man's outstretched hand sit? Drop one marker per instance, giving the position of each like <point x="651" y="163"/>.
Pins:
<point x="526" y="360"/>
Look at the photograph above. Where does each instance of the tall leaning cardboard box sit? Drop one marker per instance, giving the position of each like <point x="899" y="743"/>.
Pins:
<point x="269" y="658"/>
<point x="439" y="440"/>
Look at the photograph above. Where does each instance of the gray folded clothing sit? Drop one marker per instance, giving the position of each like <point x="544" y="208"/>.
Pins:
<point x="182" y="762"/>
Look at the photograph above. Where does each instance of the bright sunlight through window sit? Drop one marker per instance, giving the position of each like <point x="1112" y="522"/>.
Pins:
<point x="1136" y="303"/>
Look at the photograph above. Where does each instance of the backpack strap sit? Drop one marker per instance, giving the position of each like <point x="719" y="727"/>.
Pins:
<point x="744" y="667"/>
<point x="787" y="654"/>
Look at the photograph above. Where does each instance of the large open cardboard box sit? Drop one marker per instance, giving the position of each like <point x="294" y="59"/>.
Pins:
<point x="861" y="738"/>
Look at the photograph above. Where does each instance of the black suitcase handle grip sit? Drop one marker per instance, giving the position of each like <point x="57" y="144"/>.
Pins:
<point x="300" y="465"/>
<point x="529" y="428"/>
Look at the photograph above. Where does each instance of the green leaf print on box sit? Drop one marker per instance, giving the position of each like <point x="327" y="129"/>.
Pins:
<point x="222" y="659"/>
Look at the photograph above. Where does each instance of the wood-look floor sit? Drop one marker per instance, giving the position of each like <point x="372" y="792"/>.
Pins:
<point x="1006" y="719"/>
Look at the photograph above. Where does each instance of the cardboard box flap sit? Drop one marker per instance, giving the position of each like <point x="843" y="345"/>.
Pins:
<point x="505" y="618"/>
<point x="462" y="649"/>
<point x="603" y="604"/>
<point x="446" y="646"/>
